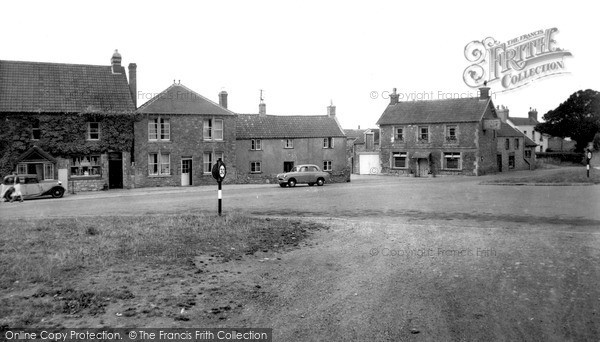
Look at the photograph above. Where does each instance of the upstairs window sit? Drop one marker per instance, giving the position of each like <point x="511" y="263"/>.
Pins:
<point x="93" y="131"/>
<point x="451" y="134"/>
<point x="516" y="143"/>
<point x="255" y="145"/>
<point x="289" y="143"/>
<point x="36" y="133"/>
<point x="213" y="129"/>
<point x="159" y="129"/>
<point x="399" y="134"/>
<point x="328" y="143"/>
<point x="423" y="134"/>
<point x="507" y="144"/>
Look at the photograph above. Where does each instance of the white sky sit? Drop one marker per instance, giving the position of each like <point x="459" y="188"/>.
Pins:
<point x="303" y="54"/>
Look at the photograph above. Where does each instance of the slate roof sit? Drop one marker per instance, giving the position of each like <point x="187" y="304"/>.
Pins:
<point x="254" y="126"/>
<point x="179" y="99"/>
<point x="434" y="111"/>
<point x="33" y="87"/>
<point x="523" y="121"/>
<point x="507" y="131"/>
<point x="357" y="134"/>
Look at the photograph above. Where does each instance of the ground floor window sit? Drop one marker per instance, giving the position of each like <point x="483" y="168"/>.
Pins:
<point x="327" y="165"/>
<point x="452" y="160"/>
<point x="399" y="160"/>
<point x="159" y="164"/>
<point x="22" y="169"/>
<point x="48" y="171"/>
<point x="511" y="161"/>
<point x="209" y="158"/>
<point x="255" y="167"/>
<point x="86" y="166"/>
<point x="527" y="153"/>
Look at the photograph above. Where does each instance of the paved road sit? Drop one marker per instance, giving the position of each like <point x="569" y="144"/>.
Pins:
<point x="374" y="196"/>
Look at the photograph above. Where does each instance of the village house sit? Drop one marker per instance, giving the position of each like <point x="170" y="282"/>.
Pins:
<point x="363" y="150"/>
<point x="271" y="144"/>
<point x="70" y="122"/>
<point x="428" y="138"/>
<point x="515" y="150"/>
<point x="179" y="135"/>
<point x="525" y="126"/>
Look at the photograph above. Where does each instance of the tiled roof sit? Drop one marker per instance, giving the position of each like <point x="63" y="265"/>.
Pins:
<point x="523" y="121"/>
<point x="62" y="88"/>
<point x="178" y="99"/>
<point x="254" y="126"/>
<point x="357" y="134"/>
<point x="507" y="131"/>
<point x="434" y="111"/>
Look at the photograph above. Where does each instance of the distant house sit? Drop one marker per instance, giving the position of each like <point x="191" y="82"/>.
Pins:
<point x="179" y="136"/>
<point x="525" y="126"/>
<point x="515" y="150"/>
<point x="267" y="145"/>
<point x="363" y="146"/>
<point x="70" y="122"/>
<point x="453" y="136"/>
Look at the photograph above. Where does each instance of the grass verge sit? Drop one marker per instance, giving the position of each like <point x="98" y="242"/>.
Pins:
<point x="569" y="176"/>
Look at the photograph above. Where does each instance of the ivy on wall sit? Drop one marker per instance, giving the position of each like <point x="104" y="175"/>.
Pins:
<point x="62" y="135"/>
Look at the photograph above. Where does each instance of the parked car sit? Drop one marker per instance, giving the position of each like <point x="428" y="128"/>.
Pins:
<point x="31" y="187"/>
<point x="305" y="174"/>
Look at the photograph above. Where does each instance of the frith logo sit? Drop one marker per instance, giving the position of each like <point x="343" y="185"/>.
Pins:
<point x="516" y="62"/>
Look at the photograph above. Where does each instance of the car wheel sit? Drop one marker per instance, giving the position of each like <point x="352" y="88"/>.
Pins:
<point x="8" y="193"/>
<point x="292" y="183"/>
<point x="58" y="192"/>
<point x="320" y="182"/>
<point x="283" y="185"/>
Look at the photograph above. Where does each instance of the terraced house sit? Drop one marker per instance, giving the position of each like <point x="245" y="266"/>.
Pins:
<point x="71" y="122"/>
<point x="427" y="138"/>
<point x="271" y="144"/>
<point x="179" y="135"/>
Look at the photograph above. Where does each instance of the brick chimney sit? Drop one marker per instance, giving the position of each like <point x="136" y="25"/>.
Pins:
<point x="262" y="109"/>
<point x="133" y="82"/>
<point x="394" y="97"/>
<point x="502" y="113"/>
<point x="115" y="62"/>
<point x="532" y="114"/>
<point x="331" y="109"/>
<point x="484" y="92"/>
<point x="223" y="99"/>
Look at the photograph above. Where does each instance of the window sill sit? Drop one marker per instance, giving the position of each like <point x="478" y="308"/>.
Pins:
<point x="159" y="176"/>
<point x="254" y="150"/>
<point x="399" y="168"/>
<point x="159" y="140"/>
<point x="255" y="173"/>
<point x="451" y="169"/>
<point x="85" y="177"/>
<point x="92" y="139"/>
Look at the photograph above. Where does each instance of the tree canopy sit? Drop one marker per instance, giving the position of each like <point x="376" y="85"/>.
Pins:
<point x="577" y="118"/>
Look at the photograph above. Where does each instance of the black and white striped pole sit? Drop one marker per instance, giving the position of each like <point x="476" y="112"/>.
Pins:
<point x="219" y="171"/>
<point x="588" y="156"/>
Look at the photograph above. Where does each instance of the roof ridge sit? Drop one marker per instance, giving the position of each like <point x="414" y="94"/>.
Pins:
<point x="159" y="95"/>
<point x="53" y="63"/>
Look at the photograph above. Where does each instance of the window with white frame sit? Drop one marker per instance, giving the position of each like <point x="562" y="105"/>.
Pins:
<point x="451" y="133"/>
<point x="423" y="134"/>
<point x="399" y="160"/>
<point x="326" y="165"/>
<point x="328" y="143"/>
<point x="212" y="129"/>
<point x="289" y="143"/>
<point x="159" y="129"/>
<point x="399" y="133"/>
<point x="255" y="144"/>
<point x="48" y="171"/>
<point x="159" y="164"/>
<point x="93" y="131"/>
<point x="87" y="165"/>
<point x="255" y="167"/>
<point x="452" y="160"/>
<point x="22" y="169"/>
<point x="36" y="132"/>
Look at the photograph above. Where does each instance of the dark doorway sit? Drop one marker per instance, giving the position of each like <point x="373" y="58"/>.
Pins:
<point x="499" y="159"/>
<point x="288" y="166"/>
<point x="115" y="171"/>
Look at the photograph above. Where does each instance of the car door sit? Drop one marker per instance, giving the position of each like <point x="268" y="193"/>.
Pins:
<point x="30" y="186"/>
<point x="302" y="174"/>
<point x="312" y="174"/>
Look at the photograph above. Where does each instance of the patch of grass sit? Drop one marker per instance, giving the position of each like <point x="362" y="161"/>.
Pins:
<point x="571" y="175"/>
<point x="50" y="250"/>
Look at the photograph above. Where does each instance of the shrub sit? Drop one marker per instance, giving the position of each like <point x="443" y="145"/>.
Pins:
<point x="563" y="157"/>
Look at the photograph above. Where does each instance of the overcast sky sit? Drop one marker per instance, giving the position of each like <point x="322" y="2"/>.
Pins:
<point x="304" y="54"/>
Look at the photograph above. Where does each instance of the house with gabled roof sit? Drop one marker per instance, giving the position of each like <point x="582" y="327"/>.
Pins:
<point x="267" y="145"/>
<point x="70" y="122"/>
<point x="363" y="148"/>
<point x="450" y="136"/>
<point x="179" y="135"/>
<point x="515" y="150"/>
<point x="526" y="126"/>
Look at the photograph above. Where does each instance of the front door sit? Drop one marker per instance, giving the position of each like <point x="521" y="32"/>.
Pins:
<point x="186" y="171"/>
<point x="115" y="171"/>
<point x="288" y="166"/>
<point x="499" y="160"/>
<point x="423" y="167"/>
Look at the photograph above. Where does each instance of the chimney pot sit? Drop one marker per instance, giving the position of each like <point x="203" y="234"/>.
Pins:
<point x="223" y="99"/>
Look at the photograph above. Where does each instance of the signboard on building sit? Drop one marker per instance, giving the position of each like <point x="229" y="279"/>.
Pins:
<point x="493" y="124"/>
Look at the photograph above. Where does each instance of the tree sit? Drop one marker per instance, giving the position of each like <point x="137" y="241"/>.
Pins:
<point x="578" y="118"/>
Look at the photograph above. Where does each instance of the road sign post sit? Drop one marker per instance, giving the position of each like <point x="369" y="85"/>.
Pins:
<point x="219" y="171"/>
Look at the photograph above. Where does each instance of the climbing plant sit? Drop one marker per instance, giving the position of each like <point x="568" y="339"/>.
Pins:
<point x="62" y="135"/>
